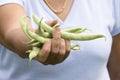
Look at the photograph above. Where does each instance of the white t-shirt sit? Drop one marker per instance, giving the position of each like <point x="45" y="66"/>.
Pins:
<point x="88" y="63"/>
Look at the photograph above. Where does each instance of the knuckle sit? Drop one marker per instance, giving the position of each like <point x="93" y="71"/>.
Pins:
<point x="46" y="50"/>
<point x="42" y="59"/>
<point x="54" y="54"/>
<point x="56" y="46"/>
<point x="55" y="43"/>
<point x="68" y="50"/>
<point x="62" y="52"/>
<point x="62" y="42"/>
<point x="57" y="37"/>
<point x="43" y="56"/>
<point x="55" y="50"/>
<point x="62" y="39"/>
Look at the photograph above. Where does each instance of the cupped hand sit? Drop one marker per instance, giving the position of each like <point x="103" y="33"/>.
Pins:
<point x="56" y="50"/>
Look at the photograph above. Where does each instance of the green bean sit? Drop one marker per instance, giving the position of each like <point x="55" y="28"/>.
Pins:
<point x="75" y="47"/>
<point x="34" y="53"/>
<point x="42" y="32"/>
<point x="72" y="36"/>
<point x="29" y="33"/>
<point x="28" y="51"/>
<point x="30" y="42"/>
<point x="76" y="30"/>
<point x="81" y="37"/>
<point x="45" y="33"/>
<point x="36" y="44"/>
<point x="56" y="25"/>
<point x="36" y="19"/>
<point x="41" y="39"/>
<point x="23" y="25"/>
<point x="37" y="37"/>
<point x="34" y="36"/>
<point x="67" y="35"/>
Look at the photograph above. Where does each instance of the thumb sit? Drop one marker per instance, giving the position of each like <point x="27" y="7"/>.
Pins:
<point x="52" y="22"/>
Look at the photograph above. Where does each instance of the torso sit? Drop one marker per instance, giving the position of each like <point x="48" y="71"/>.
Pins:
<point x="88" y="63"/>
<point x="62" y="15"/>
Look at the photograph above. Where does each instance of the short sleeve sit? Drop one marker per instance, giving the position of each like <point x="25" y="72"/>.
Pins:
<point x="3" y="2"/>
<point x="116" y="14"/>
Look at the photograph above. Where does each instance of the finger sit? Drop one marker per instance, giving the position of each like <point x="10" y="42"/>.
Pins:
<point x="62" y="50"/>
<point x="45" y="51"/>
<point x="60" y="57"/>
<point x="55" y="45"/>
<point x="52" y="23"/>
<point x="56" y="41"/>
<point x="68" y="48"/>
<point x="36" y="31"/>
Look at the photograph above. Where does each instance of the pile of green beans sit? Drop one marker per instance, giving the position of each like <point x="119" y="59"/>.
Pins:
<point x="45" y="33"/>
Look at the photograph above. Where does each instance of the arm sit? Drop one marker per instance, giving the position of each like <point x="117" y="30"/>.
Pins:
<point x="114" y="60"/>
<point x="11" y="35"/>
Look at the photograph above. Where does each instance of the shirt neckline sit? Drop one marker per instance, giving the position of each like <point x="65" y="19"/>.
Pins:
<point x="53" y="14"/>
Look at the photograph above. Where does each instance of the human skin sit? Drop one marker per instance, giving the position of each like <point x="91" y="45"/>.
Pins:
<point x="12" y="37"/>
<point x="15" y="42"/>
<point x="114" y="60"/>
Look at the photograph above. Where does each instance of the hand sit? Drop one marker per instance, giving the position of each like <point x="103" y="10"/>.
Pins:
<point x="56" y="50"/>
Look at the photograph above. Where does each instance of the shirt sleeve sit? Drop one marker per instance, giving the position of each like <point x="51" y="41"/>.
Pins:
<point x="116" y="14"/>
<point x="3" y="2"/>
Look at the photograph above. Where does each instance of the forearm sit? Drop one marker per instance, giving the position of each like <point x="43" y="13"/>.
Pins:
<point x="14" y="40"/>
<point x="11" y="35"/>
<point x="114" y="60"/>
